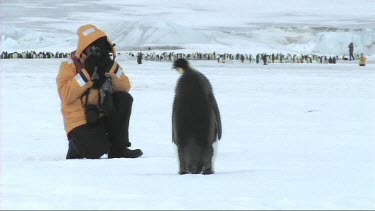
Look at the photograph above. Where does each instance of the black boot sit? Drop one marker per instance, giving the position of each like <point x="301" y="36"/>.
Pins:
<point x="132" y="153"/>
<point x="127" y="153"/>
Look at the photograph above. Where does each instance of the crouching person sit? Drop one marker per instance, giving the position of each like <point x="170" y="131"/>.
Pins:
<point x="95" y="100"/>
<point x="362" y="60"/>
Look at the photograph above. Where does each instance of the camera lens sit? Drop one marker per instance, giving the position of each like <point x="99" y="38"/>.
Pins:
<point x="94" y="50"/>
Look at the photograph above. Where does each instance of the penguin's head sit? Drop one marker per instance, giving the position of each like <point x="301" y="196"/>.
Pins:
<point x="181" y="65"/>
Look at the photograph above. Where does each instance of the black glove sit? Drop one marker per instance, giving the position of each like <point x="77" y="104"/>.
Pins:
<point x="90" y="64"/>
<point x="105" y="62"/>
<point x="99" y="57"/>
<point x="97" y="66"/>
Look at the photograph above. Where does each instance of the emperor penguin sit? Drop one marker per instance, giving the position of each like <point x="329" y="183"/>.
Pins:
<point x="196" y="121"/>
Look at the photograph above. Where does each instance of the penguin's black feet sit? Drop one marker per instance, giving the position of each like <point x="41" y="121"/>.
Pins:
<point x="207" y="171"/>
<point x="182" y="172"/>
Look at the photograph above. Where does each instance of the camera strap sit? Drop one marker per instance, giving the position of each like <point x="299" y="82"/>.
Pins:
<point x="87" y="95"/>
<point x="79" y="66"/>
<point x="77" y="62"/>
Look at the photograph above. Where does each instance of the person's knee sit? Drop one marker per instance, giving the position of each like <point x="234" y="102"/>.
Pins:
<point x="122" y="100"/>
<point x="123" y="96"/>
<point x="90" y="141"/>
<point x="94" y="150"/>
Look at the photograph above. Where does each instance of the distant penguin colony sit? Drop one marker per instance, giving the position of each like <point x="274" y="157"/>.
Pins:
<point x="259" y="58"/>
<point x="196" y="121"/>
<point x="214" y="56"/>
<point x="33" y="55"/>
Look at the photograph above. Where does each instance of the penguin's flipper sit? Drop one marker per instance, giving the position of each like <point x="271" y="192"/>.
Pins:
<point x="217" y="115"/>
<point x="173" y="121"/>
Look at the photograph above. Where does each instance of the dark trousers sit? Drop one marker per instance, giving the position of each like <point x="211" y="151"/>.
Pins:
<point x="351" y="55"/>
<point x="109" y="135"/>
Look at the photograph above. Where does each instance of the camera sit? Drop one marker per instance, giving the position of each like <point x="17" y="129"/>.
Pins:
<point x="98" y="53"/>
<point x="92" y="114"/>
<point x="94" y="51"/>
<point x="105" y="106"/>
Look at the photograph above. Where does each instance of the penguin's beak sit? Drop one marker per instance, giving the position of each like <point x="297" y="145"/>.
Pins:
<point x="180" y="70"/>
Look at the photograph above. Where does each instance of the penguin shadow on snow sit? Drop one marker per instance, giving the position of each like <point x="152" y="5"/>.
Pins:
<point x="196" y="121"/>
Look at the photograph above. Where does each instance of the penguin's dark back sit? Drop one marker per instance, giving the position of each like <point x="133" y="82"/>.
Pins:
<point x="191" y="106"/>
<point x="193" y="83"/>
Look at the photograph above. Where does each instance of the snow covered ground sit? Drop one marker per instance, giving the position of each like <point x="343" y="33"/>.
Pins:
<point x="295" y="136"/>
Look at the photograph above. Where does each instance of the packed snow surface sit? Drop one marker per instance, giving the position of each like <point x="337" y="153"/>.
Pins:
<point x="295" y="136"/>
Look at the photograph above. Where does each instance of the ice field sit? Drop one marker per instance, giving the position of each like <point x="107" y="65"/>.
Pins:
<point x="295" y="136"/>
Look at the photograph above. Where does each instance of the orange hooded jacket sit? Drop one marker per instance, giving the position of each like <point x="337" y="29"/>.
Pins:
<point x="71" y="84"/>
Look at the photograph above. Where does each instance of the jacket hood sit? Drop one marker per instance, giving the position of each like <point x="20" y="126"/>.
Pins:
<point x="87" y="34"/>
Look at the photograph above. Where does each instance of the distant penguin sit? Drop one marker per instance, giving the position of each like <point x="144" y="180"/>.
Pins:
<point x="196" y="122"/>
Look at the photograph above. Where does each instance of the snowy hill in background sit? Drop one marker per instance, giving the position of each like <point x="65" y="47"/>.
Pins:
<point x="289" y="26"/>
